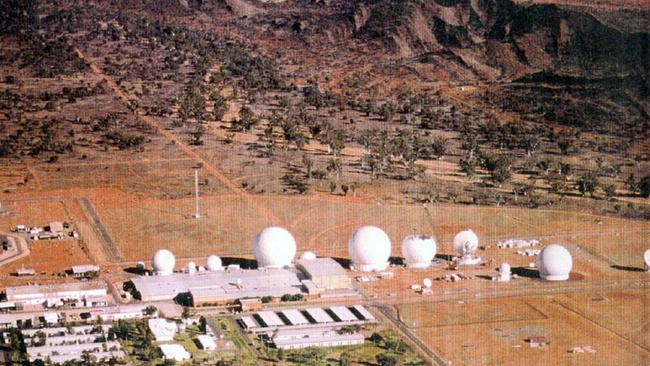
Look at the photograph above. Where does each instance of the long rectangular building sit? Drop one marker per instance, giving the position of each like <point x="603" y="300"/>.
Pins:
<point x="78" y="293"/>
<point x="215" y="288"/>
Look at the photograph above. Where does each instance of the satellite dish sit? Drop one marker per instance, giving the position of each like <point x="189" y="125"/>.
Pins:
<point x="646" y="258"/>
<point x="239" y="281"/>
<point x="427" y="282"/>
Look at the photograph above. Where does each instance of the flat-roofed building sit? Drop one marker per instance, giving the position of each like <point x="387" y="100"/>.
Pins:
<point x="270" y="319"/>
<point x="102" y="351"/>
<point x="162" y="330"/>
<point x="75" y="294"/>
<point x="325" y="273"/>
<point x="249" y="322"/>
<point x="314" y="337"/>
<point x="367" y="315"/>
<point x="219" y="287"/>
<point x="174" y="351"/>
<point x="294" y="317"/>
<point x="253" y="304"/>
<point x="344" y="314"/>
<point x="319" y="315"/>
<point x="206" y="342"/>
<point x="84" y="270"/>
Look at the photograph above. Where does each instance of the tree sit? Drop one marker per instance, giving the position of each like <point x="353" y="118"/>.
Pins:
<point x="499" y="168"/>
<point x="644" y="186"/>
<point x="281" y="354"/>
<point x="386" y="360"/>
<point x="197" y="135"/>
<point x="587" y="183"/>
<point x="345" y="359"/>
<point x="336" y="167"/>
<point x="564" y="144"/>
<point x="439" y="146"/>
<point x="149" y="310"/>
<point x="610" y="191"/>
<point x="247" y="119"/>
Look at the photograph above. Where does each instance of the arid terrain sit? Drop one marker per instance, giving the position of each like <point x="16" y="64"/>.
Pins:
<point x="524" y="119"/>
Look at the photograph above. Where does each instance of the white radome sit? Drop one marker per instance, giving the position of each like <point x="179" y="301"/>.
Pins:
<point x="554" y="263"/>
<point x="418" y="251"/>
<point x="191" y="268"/>
<point x="465" y="243"/>
<point x="504" y="268"/>
<point x="308" y="255"/>
<point x="646" y="259"/>
<point x="274" y="247"/>
<point x="163" y="262"/>
<point x="369" y="249"/>
<point x="213" y="263"/>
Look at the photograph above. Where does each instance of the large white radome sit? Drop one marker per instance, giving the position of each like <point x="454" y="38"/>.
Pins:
<point x="163" y="262"/>
<point x="213" y="263"/>
<point x="369" y="249"/>
<point x="274" y="247"/>
<point x="418" y="251"/>
<point x="465" y="243"/>
<point x="554" y="263"/>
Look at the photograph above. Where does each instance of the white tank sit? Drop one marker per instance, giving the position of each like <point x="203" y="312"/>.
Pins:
<point x="274" y="247"/>
<point x="191" y="268"/>
<point x="504" y="272"/>
<point x="163" y="262"/>
<point x="418" y="251"/>
<point x="369" y="249"/>
<point x="554" y="263"/>
<point x="308" y="255"/>
<point x="465" y="243"/>
<point x="213" y="263"/>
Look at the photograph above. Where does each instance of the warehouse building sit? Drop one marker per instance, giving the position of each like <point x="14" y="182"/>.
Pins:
<point x="325" y="273"/>
<point x="314" y="337"/>
<point x="77" y="294"/>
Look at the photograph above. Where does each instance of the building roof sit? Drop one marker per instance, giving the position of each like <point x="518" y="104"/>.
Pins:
<point x="53" y="289"/>
<point x="81" y="269"/>
<point x="248" y="321"/>
<point x="174" y="351"/>
<point x="56" y="227"/>
<point x="220" y="284"/>
<point x="321" y="267"/>
<point x="162" y="330"/>
<point x="364" y="312"/>
<point x="319" y="315"/>
<point x="295" y="317"/>
<point x="206" y="342"/>
<point x="343" y="313"/>
<point x="270" y="318"/>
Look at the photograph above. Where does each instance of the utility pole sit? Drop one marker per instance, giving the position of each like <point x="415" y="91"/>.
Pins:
<point x="197" y="214"/>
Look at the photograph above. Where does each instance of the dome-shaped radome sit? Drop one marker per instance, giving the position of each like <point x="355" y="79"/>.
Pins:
<point x="418" y="251"/>
<point x="369" y="249"/>
<point x="191" y="267"/>
<point x="465" y="243"/>
<point x="274" y="247"/>
<point x="554" y="263"/>
<point x="308" y="255"/>
<point x="213" y="263"/>
<point x="163" y="262"/>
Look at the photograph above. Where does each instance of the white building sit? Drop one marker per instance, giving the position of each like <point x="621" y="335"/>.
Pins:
<point x="162" y="330"/>
<point x="174" y="351"/>
<point x="206" y="342"/>
<point x="77" y="294"/>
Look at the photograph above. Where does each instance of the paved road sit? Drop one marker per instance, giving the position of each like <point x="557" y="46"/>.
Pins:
<point x="109" y="244"/>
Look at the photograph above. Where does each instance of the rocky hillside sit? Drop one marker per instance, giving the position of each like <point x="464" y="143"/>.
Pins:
<point x="497" y="39"/>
